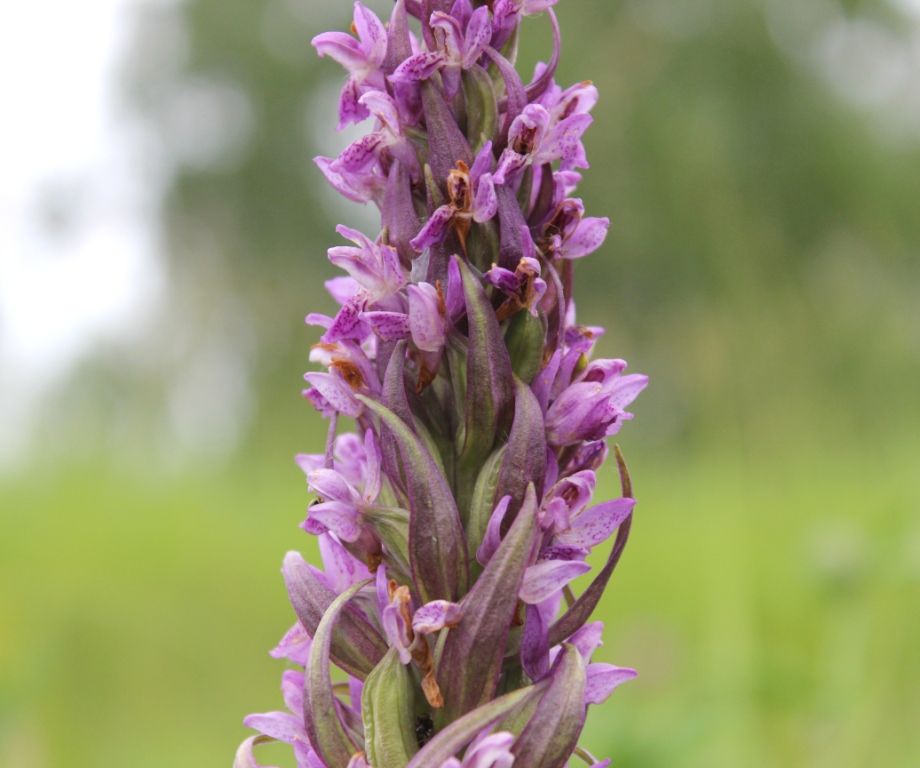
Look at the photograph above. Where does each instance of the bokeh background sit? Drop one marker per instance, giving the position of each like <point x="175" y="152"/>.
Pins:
<point x="162" y="235"/>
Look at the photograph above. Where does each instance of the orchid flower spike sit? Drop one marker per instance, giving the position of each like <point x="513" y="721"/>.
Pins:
<point x="455" y="521"/>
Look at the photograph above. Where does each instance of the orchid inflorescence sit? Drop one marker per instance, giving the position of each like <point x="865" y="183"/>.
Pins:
<point x="452" y="523"/>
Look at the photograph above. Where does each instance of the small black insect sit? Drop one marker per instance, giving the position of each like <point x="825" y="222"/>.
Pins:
<point x="424" y="730"/>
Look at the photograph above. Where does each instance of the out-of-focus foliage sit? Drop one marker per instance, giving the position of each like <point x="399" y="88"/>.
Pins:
<point x="762" y="266"/>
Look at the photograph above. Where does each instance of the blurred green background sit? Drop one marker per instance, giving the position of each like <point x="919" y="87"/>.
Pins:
<point x="760" y="163"/>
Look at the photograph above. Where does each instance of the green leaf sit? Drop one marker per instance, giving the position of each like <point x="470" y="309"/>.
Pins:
<point x="327" y="734"/>
<point x="525" y="336"/>
<point x="437" y="547"/>
<point x="481" y="107"/>
<point x="481" y="508"/>
<point x="459" y="733"/>
<point x="488" y="610"/>
<point x="553" y="731"/>
<point x="388" y="706"/>
<point x="489" y="396"/>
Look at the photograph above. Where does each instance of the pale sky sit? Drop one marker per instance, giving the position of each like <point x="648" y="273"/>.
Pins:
<point x="77" y="222"/>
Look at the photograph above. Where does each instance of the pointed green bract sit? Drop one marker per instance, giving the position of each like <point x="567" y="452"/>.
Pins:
<point x="525" y="458"/>
<point x="437" y="549"/>
<point x="327" y="734"/>
<point x="355" y="646"/>
<point x="454" y="737"/>
<point x="553" y="731"/>
<point x="481" y="107"/>
<point x="525" y="336"/>
<point x="445" y="139"/>
<point x="489" y="396"/>
<point x="388" y="704"/>
<point x="481" y="506"/>
<point x="488" y="611"/>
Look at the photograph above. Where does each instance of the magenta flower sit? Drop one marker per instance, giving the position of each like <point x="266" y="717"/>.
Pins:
<point x="523" y="287"/>
<point x="354" y="168"/>
<point x="461" y="37"/>
<point x="340" y="505"/>
<point x="592" y="406"/>
<point x="472" y="198"/>
<point x="456" y="521"/>
<point x="374" y="267"/>
<point x="536" y="138"/>
<point x="362" y="58"/>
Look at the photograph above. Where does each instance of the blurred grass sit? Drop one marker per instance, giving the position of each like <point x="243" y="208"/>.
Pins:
<point x="772" y="608"/>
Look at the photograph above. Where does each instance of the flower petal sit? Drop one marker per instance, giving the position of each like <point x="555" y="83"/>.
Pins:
<point x="595" y="525"/>
<point x="478" y="36"/>
<point x="485" y="204"/>
<point x="436" y="615"/>
<point x="627" y="389"/>
<point x="292" y="691"/>
<point x="279" y="725"/>
<point x="426" y="318"/>
<point x="491" y="752"/>
<point x="361" y="155"/>
<point x="343" y="48"/>
<point x="342" y="568"/>
<point x="588" y="639"/>
<point x="329" y="485"/>
<point x="543" y="579"/>
<point x="295" y="645"/>
<point x="603" y="679"/>
<point x="435" y="229"/>
<point x="492" y="539"/>
<point x="587" y="238"/>
<point x="338" y="517"/>
<point x="421" y="66"/>
<point x="373" y="35"/>
<point x="389" y="326"/>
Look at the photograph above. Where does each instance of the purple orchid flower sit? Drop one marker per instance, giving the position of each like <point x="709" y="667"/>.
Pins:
<point x="287" y="726"/>
<point x="341" y="505"/>
<point x="363" y="59"/>
<point x="358" y="187"/>
<point x="602" y="679"/>
<point x="572" y="523"/>
<point x="355" y="166"/>
<point x="425" y="319"/>
<point x="571" y="234"/>
<point x="374" y="267"/>
<point x="457" y="521"/>
<point x="461" y="37"/>
<point x="508" y="15"/>
<point x="349" y="459"/>
<point x="592" y="406"/>
<point x="536" y="138"/>
<point x="524" y="287"/>
<point x="472" y="198"/>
